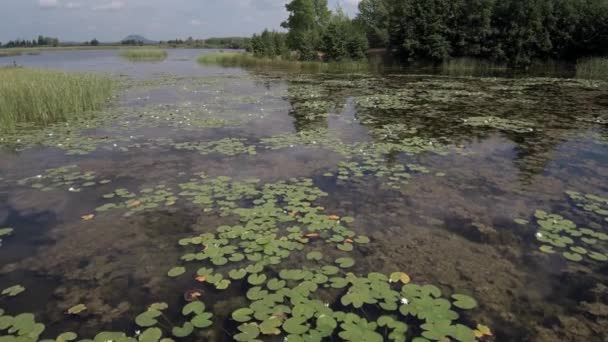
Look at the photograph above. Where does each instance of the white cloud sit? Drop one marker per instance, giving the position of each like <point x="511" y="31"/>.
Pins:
<point x="48" y="3"/>
<point x="196" y="22"/>
<point x="73" y="5"/>
<point x="110" y="6"/>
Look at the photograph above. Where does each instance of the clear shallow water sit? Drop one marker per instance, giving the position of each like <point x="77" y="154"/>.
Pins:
<point x="477" y="153"/>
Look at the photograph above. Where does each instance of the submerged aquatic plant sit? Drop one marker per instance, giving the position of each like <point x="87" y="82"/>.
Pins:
<point x="44" y="97"/>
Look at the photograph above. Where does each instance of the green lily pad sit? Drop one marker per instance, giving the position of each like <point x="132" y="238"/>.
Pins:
<point x="237" y="274"/>
<point x="464" y="302"/>
<point x="572" y="256"/>
<point x="295" y="325"/>
<point x="148" y="318"/>
<point x="183" y="331"/>
<point x="271" y="326"/>
<point x="256" y="279"/>
<point x="314" y="256"/>
<point x="345" y="262"/>
<point x="242" y="315"/>
<point x="151" y="335"/>
<point x="202" y="320"/>
<point x="176" y="271"/>
<point x="598" y="256"/>
<point x="249" y="332"/>
<point x="346" y="247"/>
<point x="6" y="231"/>
<point x="66" y="337"/>
<point x="196" y="308"/>
<point x="76" y="309"/>
<point x="13" y="290"/>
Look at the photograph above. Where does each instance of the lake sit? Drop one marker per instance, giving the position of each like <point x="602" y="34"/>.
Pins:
<point x="310" y="205"/>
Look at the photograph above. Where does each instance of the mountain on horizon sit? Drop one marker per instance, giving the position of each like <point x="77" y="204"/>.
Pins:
<point x="139" y="38"/>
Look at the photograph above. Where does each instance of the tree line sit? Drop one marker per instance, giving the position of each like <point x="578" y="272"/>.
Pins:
<point x="506" y="31"/>
<point x="40" y="41"/>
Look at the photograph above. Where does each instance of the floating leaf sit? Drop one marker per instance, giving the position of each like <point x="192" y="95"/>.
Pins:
<point x="482" y="330"/>
<point x="176" y="271"/>
<point x="256" y="279"/>
<point x="88" y="217"/>
<point x="76" y="309"/>
<point x="249" y="332"/>
<point x="314" y="256"/>
<point x="572" y="256"/>
<point x="202" y="320"/>
<point x="295" y="325"/>
<point x="237" y="274"/>
<point x="13" y="290"/>
<point x="345" y="262"/>
<point x="346" y="247"/>
<point x="399" y="276"/>
<point x="151" y="335"/>
<point x="148" y="318"/>
<point x="271" y="326"/>
<point x="196" y="308"/>
<point x="242" y="315"/>
<point x="464" y="302"/>
<point x="66" y="337"/>
<point x="183" y="331"/>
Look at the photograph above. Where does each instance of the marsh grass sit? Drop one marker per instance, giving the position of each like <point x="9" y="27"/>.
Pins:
<point x="592" y="68"/>
<point x="236" y="59"/>
<point x="153" y="55"/>
<point x="42" y="97"/>
<point x="470" y="67"/>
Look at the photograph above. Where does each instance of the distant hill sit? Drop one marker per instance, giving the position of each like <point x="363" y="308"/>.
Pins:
<point x="138" y="38"/>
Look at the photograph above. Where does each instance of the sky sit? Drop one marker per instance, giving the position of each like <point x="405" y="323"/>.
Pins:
<point x="112" y="20"/>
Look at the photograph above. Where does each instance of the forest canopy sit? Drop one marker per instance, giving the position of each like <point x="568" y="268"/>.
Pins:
<point x="507" y="31"/>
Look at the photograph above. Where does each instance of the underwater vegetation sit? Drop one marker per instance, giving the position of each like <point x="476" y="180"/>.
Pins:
<point x="43" y="97"/>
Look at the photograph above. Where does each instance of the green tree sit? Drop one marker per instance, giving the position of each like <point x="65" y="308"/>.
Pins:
<point x="374" y="18"/>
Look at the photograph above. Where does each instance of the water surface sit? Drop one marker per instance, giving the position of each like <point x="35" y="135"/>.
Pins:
<point x="435" y="171"/>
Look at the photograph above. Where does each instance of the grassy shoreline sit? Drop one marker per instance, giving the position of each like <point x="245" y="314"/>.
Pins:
<point x="43" y="97"/>
<point x="237" y="59"/>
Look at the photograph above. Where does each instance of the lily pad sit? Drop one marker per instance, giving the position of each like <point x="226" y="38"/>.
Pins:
<point x="176" y="271"/>
<point x="464" y="302"/>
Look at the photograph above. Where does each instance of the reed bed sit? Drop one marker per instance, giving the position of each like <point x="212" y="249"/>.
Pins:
<point x="42" y="97"/>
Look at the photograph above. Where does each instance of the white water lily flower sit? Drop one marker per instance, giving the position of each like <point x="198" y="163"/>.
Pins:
<point x="404" y="301"/>
<point x="326" y="305"/>
<point x="39" y="176"/>
<point x="539" y="235"/>
<point x="71" y="189"/>
<point x="137" y="332"/>
<point x="115" y="145"/>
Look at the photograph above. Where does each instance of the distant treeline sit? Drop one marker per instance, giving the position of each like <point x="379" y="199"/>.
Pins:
<point x="505" y="31"/>
<point x="210" y="43"/>
<point x="40" y="41"/>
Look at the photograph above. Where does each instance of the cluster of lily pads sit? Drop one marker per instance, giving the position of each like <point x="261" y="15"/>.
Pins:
<point x="591" y="203"/>
<point x="146" y="199"/>
<point x="574" y="243"/>
<point x="226" y="146"/>
<point x="67" y="177"/>
<point x="287" y="301"/>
